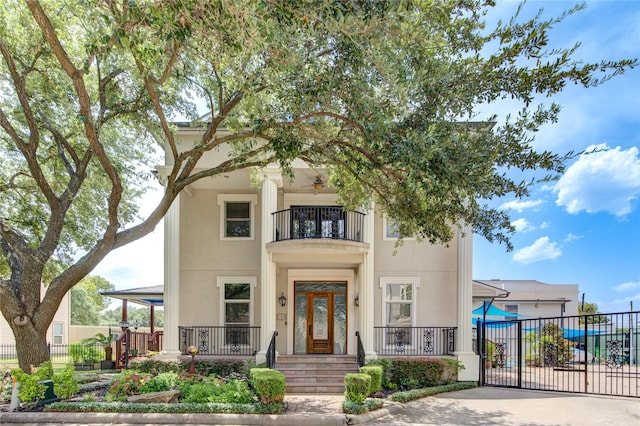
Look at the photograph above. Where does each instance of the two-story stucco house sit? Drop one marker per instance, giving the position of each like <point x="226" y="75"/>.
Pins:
<point x="251" y="253"/>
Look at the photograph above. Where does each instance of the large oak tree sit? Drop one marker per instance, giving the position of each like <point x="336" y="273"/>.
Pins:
<point x="383" y="93"/>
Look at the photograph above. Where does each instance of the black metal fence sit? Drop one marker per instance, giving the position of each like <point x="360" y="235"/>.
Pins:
<point x="415" y="341"/>
<point x="597" y="354"/>
<point x="59" y="354"/>
<point x="318" y="222"/>
<point x="220" y="340"/>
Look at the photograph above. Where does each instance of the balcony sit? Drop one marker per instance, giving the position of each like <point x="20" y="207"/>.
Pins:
<point x="315" y="222"/>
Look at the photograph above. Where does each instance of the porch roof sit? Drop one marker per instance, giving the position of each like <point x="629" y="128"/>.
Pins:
<point x="147" y="296"/>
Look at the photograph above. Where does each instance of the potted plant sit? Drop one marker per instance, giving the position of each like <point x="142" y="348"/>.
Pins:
<point x="105" y="340"/>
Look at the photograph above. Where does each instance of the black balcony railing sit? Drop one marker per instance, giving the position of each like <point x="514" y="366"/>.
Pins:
<point x="318" y="222"/>
<point x="220" y="340"/>
<point x="415" y="341"/>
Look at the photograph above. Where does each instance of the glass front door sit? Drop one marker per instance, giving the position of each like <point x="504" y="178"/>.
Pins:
<point x="320" y="318"/>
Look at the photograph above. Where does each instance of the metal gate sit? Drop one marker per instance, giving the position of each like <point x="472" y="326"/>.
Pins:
<point x="596" y="354"/>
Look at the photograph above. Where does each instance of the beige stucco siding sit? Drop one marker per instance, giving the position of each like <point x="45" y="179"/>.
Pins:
<point x="434" y="265"/>
<point x="204" y="257"/>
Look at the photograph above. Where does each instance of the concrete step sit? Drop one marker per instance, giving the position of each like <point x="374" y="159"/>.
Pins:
<point x="316" y="373"/>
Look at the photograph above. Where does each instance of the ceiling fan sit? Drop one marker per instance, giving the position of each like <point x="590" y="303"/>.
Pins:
<point x="318" y="184"/>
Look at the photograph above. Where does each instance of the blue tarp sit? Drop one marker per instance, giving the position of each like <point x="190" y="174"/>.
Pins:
<point x="569" y="333"/>
<point x="493" y="312"/>
<point x="491" y="324"/>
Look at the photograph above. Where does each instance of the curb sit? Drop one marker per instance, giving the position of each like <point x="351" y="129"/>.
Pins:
<point x="172" y="418"/>
<point x="195" y="418"/>
<point x="359" y="419"/>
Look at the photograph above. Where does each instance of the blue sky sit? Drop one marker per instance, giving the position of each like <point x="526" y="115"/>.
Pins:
<point x="583" y="229"/>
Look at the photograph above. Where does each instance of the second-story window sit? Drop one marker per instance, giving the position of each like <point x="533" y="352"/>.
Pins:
<point x="237" y="216"/>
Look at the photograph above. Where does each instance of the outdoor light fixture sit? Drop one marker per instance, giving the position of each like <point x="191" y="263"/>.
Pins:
<point x="357" y="300"/>
<point x="282" y="299"/>
<point x="124" y="324"/>
<point x="136" y="324"/>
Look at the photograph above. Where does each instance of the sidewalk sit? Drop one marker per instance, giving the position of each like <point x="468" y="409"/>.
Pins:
<point x="480" y="406"/>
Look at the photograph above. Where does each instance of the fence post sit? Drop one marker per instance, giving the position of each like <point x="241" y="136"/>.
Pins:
<point x="520" y="358"/>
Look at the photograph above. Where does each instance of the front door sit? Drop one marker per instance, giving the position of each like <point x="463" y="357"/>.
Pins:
<point x="320" y="317"/>
<point x="319" y="323"/>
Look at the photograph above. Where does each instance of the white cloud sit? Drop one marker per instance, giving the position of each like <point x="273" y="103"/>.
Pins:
<point x="545" y="225"/>
<point x="571" y="237"/>
<point x="620" y="305"/>
<point x="541" y="249"/>
<point x="523" y="225"/>
<point x="630" y="286"/>
<point x="519" y="206"/>
<point x="606" y="180"/>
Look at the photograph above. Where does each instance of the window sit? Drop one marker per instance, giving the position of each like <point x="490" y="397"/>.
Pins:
<point x="391" y="231"/>
<point x="398" y="297"/>
<point x="58" y="333"/>
<point x="513" y="309"/>
<point x="236" y="312"/>
<point x="236" y="216"/>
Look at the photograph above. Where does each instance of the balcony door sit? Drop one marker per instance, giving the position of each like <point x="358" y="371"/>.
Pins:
<point x="320" y="318"/>
<point x="318" y="222"/>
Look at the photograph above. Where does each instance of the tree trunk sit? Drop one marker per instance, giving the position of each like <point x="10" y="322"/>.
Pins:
<point x="31" y="347"/>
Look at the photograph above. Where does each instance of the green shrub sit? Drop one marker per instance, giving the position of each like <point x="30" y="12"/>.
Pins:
<point x="386" y="364"/>
<point x="123" y="407"/>
<point x="414" y="373"/>
<point x="450" y="374"/>
<point x="161" y="382"/>
<point x="65" y="384"/>
<point x="269" y="384"/>
<point x="155" y="367"/>
<point x="356" y="387"/>
<point x="350" y="407"/>
<point x="215" y="390"/>
<point x="413" y="394"/>
<point x="31" y="390"/>
<point x="129" y="382"/>
<point x="375" y="371"/>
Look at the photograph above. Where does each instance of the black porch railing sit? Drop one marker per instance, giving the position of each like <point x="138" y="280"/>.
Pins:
<point x="318" y="222"/>
<point x="220" y="340"/>
<point x="271" y="351"/>
<point x="415" y="341"/>
<point x="361" y="354"/>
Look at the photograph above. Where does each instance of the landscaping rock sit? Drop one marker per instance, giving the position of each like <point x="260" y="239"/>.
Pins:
<point x="167" y="397"/>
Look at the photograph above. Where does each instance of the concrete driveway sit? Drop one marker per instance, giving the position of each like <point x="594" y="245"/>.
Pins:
<point x="499" y="406"/>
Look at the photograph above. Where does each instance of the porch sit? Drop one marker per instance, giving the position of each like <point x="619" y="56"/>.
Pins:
<point x="244" y="341"/>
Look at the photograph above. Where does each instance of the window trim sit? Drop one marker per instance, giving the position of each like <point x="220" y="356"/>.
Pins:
<point x="222" y="199"/>
<point x="53" y="332"/>
<point x="222" y="281"/>
<point x="415" y="284"/>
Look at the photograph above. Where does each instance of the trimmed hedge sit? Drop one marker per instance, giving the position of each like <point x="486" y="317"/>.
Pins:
<point x="415" y="373"/>
<point x="123" y="407"/>
<point x="269" y="384"/>
<point x="375" y="371"/>
<point x="413" y="394"/>
<point x="350" y="407"/>
<point x="356" y="387"/>
<point x="218" y="367"/>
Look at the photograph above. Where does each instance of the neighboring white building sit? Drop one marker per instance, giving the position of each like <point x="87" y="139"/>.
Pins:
<point x="58" y="332"/>
<point x="250" y="253"/>
<point x="529" y="298"/>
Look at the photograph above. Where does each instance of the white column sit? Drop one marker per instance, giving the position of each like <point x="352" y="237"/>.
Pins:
<point x="271" y="179"/>
<point x="367" y="287"/>
<point x="464" y="336"/>
<point x="171" y="336"/>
